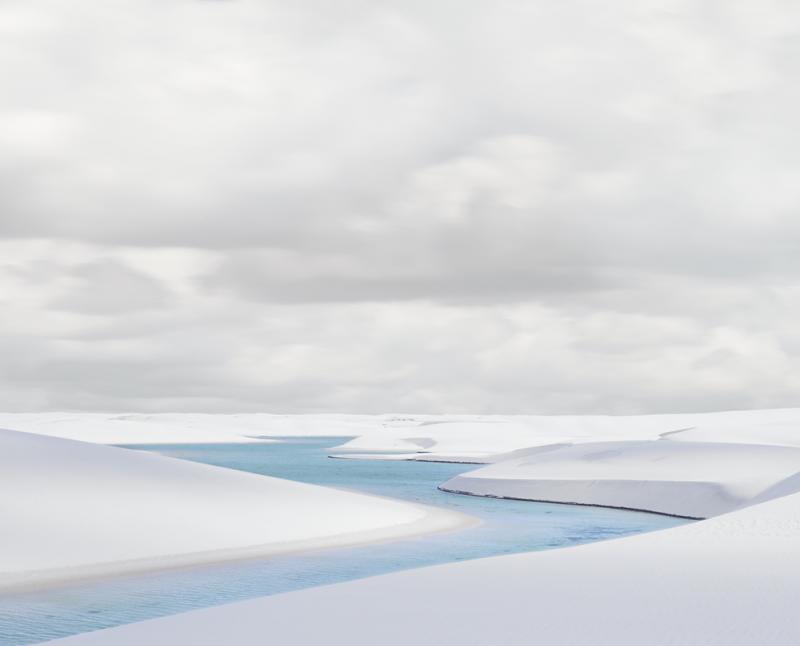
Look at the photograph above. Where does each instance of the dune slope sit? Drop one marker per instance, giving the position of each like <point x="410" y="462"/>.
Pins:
<point x="695" y="479"/>
<point x="72" y="509"/>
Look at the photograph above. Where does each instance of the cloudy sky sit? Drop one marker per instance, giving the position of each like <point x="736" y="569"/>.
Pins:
<point x="490" y="206"/>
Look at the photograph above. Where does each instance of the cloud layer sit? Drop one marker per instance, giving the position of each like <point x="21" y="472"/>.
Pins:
<point x="378" y="206"/>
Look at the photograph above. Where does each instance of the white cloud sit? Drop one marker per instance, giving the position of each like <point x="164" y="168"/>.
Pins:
<point x="487" y="206"/>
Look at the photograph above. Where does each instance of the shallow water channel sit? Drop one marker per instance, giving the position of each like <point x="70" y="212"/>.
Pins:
<point x="508" y="526"/>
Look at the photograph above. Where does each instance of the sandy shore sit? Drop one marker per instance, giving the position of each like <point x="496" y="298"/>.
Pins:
<point x="434" y="521"/>
<point x="732" y="580"/>
<point x="75" y="511"/>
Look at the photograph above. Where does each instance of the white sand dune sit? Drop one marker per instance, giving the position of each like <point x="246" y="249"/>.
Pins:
<point x="489" y="440"/>
<point x="73" y="510"/>
<point x="182" y="428"/>
<point x="470" y="438"/>
<point x="697" y="480"/>
<point x="780" y="427"/>
<point x="128" y="429"/>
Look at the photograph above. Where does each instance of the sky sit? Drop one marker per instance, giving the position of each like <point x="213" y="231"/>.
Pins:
<point x="472" y="206"/>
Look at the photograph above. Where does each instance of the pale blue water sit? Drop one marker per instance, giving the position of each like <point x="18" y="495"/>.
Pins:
<point x="508" y="526"/>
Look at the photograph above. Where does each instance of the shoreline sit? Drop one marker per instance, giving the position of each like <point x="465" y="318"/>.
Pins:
<point x="402" y="457"/>
<point x="545" y="589"/>
<point x="435" y="521"/>
<point x="568" y="502"/>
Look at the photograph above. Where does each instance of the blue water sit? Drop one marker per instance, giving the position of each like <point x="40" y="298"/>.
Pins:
<point x="508" y="526"/>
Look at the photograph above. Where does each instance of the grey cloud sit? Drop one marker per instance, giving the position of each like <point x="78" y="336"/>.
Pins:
<point x="265" y="141"/>
<point x="109" y="286"/>
<point x="262" y="277"/>
<point x="472" y="206"/>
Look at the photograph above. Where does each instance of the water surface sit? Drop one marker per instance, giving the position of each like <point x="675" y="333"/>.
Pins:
<point x="508" y="526"/>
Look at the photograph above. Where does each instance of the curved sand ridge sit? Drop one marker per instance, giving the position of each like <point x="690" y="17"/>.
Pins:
<point x="73" y="510"/>
<point x="696" y="480"/>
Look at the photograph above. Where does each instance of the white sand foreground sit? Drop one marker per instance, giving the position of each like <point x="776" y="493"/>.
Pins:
<point x="72" y="510"/>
